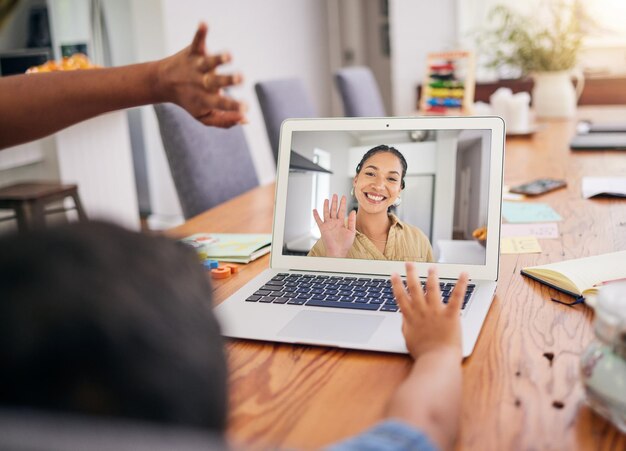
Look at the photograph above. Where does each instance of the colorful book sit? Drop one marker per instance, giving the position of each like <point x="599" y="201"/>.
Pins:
<point x="580" y="277"/>
<point x="230" y="247"/>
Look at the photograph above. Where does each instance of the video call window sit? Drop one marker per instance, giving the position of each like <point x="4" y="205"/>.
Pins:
<point x="430" y="186"/>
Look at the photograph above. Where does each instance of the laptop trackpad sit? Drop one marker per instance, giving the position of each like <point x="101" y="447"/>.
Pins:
<point x="332" y="326"/>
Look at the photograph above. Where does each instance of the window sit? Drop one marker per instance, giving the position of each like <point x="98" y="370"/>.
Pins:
<point x="604" y="49"/>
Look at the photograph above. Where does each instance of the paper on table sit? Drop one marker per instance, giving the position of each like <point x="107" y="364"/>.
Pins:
<point x="547" y="230"/>
<point x="527" y="212"/>
<point x="605" y="186"/>
<point x="520" y="245"/>
<point x="230" y="247"/>
<point x="507" y="195"/>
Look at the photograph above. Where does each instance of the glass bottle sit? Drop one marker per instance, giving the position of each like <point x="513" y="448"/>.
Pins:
<point x="603" y="363"/>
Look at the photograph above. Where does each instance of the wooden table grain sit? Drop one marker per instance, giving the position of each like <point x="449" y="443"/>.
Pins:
<point x="521" y="386"/>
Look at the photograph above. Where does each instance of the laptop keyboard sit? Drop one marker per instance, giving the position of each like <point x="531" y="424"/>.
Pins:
<point x="357" y="293"/>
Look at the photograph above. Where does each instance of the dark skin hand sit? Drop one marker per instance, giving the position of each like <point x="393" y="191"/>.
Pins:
<point x="36" y="105"/>
<point x="189" y="79"/>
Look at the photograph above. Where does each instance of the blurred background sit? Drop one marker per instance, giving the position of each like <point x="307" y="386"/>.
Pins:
<point x="273" y="39"/>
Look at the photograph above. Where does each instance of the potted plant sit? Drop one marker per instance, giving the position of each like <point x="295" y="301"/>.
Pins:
<point x="546" y="50"/>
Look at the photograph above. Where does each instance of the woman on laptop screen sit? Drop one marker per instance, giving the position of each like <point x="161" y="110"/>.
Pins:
<point x="372" y="232"/>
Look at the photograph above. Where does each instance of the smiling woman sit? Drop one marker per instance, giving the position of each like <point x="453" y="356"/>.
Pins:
<point x="371" y="232"/>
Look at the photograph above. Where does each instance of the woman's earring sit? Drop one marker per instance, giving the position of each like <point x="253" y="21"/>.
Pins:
<point x="352" y="192"/>
<point x="397" y="202"/>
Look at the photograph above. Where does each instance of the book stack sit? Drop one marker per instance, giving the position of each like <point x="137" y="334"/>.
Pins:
<point x="230" y="247"/>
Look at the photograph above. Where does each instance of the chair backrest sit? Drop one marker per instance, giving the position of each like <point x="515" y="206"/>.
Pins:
<point x="279" y="100"/>
<point x="359" y="92"/>
<point x="209" y="165"/>
<point x="24" y="429"/>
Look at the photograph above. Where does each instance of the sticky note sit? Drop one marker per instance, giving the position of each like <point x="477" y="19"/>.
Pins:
<point x="517" y="212"/>
<point x="520" y="245"/>
<point x="507" y="195"/>
<point x="541" y="231"/>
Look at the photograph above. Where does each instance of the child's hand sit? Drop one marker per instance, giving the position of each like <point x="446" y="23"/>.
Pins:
<point x="427" y="323"/>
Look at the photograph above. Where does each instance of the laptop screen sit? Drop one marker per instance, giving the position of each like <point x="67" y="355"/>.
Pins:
<point x="408" y="195"/>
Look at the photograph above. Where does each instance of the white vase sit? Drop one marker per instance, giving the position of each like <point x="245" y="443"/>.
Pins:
<point x="554" y="95"/>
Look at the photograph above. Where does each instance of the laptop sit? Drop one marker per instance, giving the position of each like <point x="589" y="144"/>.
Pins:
<point x="453" y="186"/>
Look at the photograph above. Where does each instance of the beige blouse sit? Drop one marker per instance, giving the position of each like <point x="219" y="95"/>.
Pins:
<point x="404" y="243"/>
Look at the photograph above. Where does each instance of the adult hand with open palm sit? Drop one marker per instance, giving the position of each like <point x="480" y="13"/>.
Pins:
<point x="337" y="236"/>
<point x="190" y="79"/>
<point x="34" y="106"/>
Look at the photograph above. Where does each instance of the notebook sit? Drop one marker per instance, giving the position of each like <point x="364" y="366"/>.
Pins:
<point x="453" y="185"/>
<point x="230" y="247"/>
<point x="580" y="277"/>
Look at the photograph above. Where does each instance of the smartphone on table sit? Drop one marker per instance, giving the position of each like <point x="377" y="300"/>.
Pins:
<point x="538" y="186"/>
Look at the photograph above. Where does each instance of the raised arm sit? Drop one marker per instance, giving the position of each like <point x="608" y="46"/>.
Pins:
<point x="35" y="105"/>
<point x="430" y="397"/>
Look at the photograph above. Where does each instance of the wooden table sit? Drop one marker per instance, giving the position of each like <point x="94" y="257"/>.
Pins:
<point x="515" y="394"/>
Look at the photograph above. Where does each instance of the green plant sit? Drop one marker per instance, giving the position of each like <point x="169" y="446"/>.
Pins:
<point x="530" y="45"/>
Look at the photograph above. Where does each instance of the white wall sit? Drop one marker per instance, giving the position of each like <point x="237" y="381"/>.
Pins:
<point x="416" y="29"/>
<point x="118" y="17"/>
<point x="70" y="23"/>
<point x="269" y="39"/>
<point x="149" y="42"/>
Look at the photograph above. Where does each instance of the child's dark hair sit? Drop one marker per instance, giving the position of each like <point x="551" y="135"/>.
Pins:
<point x="384" y="148"/>
<point x="95" y="319"/>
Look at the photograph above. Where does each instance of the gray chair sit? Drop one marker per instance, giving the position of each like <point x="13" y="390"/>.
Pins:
<point x="209" y="165"/>
<point x="31" y="430"/>
<point x="279" y="100"/>
<point x="359" y="92"/>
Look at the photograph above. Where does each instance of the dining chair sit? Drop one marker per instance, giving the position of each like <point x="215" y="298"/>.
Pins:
<point x="209" y="165"/>
<point x="359" y="92"/>
<point x="47" y="430"/>
<point x="279" y="100"/>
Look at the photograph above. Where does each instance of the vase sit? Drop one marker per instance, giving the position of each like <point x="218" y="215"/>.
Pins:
<point x="554" y="95"/>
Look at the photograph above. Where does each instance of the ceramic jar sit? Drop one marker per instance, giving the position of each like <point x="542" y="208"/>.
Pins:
<point x="554" y="95"/>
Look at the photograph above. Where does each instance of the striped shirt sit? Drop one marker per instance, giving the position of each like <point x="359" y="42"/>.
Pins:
<point x="404" y="243"/>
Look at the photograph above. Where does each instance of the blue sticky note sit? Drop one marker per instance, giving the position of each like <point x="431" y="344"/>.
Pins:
<point x="210" y="264"/>
<point x="519" y="212"/>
